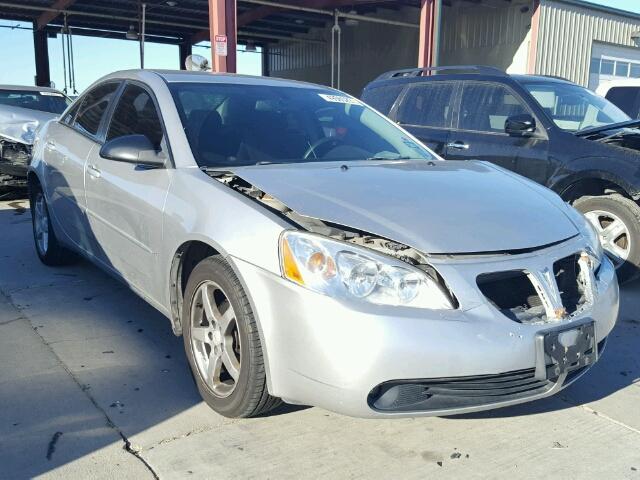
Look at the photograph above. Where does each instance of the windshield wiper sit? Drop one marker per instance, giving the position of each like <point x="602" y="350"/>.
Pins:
<point x="381" y="157"/>
<point x="591" y="130"/>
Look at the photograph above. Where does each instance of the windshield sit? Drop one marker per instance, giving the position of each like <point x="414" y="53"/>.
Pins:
<point x="574" y="108"/>
<point x="235" y="125"/>
<point x="51" y="102"/>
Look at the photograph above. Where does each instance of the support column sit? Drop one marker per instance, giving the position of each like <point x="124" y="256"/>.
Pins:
<point x="41" y="50"/>
<point x="429" y="33"/>
<point x="533" y="42"/>
<point x="185" y="49"/>
<point x="222" y="21"/>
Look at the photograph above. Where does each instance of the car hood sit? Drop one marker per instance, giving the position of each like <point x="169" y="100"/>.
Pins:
<point x="19" y="124"/>
<point x="437" y="207"/>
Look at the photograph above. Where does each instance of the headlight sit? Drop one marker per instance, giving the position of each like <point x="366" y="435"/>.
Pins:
<point x="588" y="231"/>
<point x="346" y="271"/>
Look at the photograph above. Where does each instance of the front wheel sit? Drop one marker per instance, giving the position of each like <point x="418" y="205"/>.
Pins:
<point x="222" y="342"/>
<point x="48" y="248"/>
<point x="617" y="221"/>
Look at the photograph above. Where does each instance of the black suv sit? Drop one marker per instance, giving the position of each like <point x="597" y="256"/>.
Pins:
<point x="548" y="129"/>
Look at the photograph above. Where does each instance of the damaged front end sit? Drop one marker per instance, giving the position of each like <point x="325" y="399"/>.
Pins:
<point x="385" y="246"/>
<point x="17" y="134"/>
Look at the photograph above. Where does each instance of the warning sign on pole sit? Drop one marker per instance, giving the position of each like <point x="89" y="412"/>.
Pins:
<point x="221" y="45"/>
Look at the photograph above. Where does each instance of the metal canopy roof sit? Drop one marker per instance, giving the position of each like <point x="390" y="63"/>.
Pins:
<point x="178" y="21"/>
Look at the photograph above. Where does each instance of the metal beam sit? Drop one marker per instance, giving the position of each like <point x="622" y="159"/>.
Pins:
<point x="48" y="16"/>
<point x="222" y="22"/>
<point x="41" y="50"/>
<point x="429" y="33"/>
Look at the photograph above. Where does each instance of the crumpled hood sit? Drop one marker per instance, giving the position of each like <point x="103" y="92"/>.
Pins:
<point x="19" y="124"/>
<point x="436" y="207"/>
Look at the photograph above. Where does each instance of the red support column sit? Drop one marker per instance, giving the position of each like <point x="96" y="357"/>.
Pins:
<point x="222" y="22"/>
<point x="533" y="42"/>
<point x="428" y="30"/>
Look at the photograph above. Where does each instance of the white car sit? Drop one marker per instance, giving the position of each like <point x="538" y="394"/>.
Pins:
<point x="624" y="94"/>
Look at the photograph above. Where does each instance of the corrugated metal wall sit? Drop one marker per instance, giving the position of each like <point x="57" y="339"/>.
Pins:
<point x="368" y="49"/>
<point x="486" y="34"/>
<point x="566" y="35"/>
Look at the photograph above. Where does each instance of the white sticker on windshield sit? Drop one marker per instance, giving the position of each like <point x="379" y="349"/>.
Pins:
<point x="340" y="99"/>
<point x="51" y="94"/>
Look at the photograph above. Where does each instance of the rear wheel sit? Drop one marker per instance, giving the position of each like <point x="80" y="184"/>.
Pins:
<point x="48" y="248"/>
<point x="222" y="342"/>
<point x="617" y="221"/>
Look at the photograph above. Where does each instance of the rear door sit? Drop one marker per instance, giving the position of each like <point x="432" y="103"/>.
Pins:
<point x="480" y="134"/>
<point x="426" y="109"/>
<point x="66" y="148"/>
<point x="125" y="201"/>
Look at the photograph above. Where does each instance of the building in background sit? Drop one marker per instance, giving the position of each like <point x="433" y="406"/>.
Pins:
<point x="347" y="43"/>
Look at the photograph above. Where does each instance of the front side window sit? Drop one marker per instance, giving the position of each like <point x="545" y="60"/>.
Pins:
<point x="574" y="108"/>
<point x="427" y="105"/>
<point x="93" y="108"/>
<point x="136" y="114"/>
<point x="44" y="101"/>
<point x="486" y="107"/>
<point x="235" y="125"/>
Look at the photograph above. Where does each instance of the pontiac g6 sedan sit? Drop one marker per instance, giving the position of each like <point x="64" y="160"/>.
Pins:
<point x="311" y="251"/>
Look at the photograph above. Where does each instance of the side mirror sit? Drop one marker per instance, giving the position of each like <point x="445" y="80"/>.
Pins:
<point x="136" y="149"/>
<point x="523" y="124"/>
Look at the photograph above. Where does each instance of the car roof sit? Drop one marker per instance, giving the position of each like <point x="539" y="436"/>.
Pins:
<point x="183" y="76"/>
<point x="29" y="88"/>
<point x="475" y="72"/>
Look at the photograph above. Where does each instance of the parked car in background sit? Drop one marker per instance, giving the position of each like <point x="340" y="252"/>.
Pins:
<point x="308" y="249"/>
<point x="550" y="130"/>
<point x="22" y="111"/>
<point x="624" y="94"/>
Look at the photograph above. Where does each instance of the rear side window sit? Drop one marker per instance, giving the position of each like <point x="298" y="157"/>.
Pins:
<point x="626" y="99"/>
<point x="136" y="114"/>
<point x="93" y="108"/>
<point x="486" y="107"/>
<point x="427" y="105"/>
<point x="382" y="98"/>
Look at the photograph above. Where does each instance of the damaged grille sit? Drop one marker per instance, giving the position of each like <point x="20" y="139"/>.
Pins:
<point x="456" y="392"/>
<point x="514" y="294"/>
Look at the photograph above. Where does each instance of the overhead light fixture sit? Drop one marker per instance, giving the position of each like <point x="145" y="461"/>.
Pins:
<point x="250" y="46"/>
<point x="352" y="22"/>
<point x="172" y="3"/>
<point x="131" y="33"/>
<point x="299" y="21"/>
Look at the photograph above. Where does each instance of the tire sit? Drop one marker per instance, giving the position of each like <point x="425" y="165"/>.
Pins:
<point x="48" y="247"/>
<point x="604" y="211"/>
<point x="217" y="348"/>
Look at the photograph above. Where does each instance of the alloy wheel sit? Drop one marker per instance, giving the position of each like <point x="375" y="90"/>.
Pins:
<point x="215" y="339"/>
<point x="41" y="224"/>
<point x="614" y="235"/>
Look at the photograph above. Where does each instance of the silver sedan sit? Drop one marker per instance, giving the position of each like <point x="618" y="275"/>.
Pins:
<point x="311" y="251"/>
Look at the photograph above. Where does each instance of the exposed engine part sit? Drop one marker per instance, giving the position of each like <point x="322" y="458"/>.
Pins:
<point x="14" y="158"/>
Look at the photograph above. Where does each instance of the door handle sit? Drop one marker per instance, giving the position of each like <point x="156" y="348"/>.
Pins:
<point x="51" y="145"/>
<point x="458" y="145"/>
<point x="93" y="171"/>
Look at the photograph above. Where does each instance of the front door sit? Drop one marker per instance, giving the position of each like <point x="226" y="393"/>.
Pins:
<point x="480" y="133"/>
<point x="125" y="201"/>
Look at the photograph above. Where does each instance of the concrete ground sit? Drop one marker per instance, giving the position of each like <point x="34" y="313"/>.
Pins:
<point x="94" y="385"/>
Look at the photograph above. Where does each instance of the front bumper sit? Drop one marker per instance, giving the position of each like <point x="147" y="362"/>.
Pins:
<point x="335" y="355"/>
